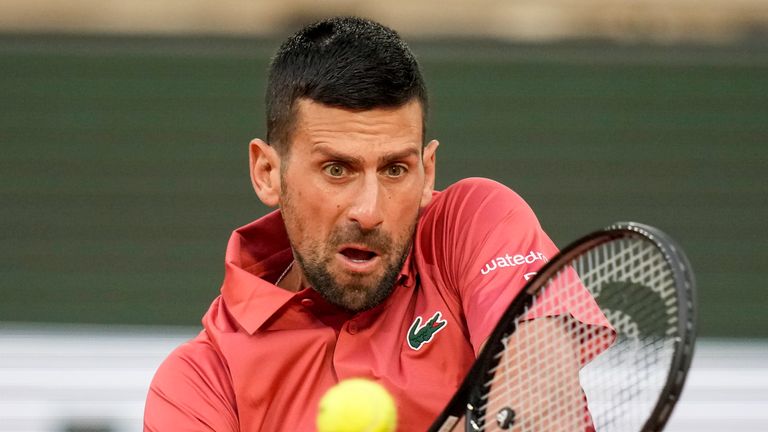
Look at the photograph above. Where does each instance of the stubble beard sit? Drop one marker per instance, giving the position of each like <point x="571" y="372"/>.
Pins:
<point x="355" y="295"/>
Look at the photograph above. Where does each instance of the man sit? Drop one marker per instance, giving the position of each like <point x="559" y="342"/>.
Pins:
<point x="365" y="270"/>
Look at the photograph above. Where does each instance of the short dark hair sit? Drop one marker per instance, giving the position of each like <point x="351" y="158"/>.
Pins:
<point x="344" y="62"/>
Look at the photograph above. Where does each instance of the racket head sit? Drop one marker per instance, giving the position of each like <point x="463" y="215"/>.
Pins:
<point x="671" y="341"/>
<point x="684" y="337"/>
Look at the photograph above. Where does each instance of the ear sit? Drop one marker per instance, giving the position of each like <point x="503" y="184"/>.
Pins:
<point x="265" y="172"/>
<point x="428" y="160"/>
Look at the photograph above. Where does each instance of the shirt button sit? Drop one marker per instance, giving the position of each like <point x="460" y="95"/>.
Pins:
<point x="307" y="302"/>
<point x="352" y="327"/>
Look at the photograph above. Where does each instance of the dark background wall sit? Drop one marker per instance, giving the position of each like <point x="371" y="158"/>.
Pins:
<point x="123" y="161"/>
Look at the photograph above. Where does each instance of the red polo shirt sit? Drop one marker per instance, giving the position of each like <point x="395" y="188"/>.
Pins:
<point x="267" y="355"/>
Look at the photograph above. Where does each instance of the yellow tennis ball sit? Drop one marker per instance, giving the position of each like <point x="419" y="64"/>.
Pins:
<point x="357" y="405"/>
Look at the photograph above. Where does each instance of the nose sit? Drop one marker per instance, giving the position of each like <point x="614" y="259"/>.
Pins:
<point x="366" y="209"/>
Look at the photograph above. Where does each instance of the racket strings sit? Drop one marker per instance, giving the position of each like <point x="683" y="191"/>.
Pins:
<point x="535" y="372"/>
<point x="638" y="299"/>
<point x="538" y="390"/>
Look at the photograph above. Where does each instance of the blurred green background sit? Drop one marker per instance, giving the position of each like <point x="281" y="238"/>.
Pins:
<point x="124" y="161"/>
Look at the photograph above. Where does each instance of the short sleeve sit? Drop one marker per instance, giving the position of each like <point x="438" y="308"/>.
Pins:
<point x="191" y="391"/>
<point x="491" y="244"/>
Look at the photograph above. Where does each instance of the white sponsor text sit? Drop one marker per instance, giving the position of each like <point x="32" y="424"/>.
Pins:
<point x="512" y="261"/>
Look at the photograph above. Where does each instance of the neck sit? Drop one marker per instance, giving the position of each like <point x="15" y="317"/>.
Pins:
<point x="291" y="279"/>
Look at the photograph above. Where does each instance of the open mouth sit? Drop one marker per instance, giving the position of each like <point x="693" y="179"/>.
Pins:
<point x="358" y="255"/>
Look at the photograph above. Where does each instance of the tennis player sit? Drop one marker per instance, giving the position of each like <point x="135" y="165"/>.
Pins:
<point x="364" y="270"/>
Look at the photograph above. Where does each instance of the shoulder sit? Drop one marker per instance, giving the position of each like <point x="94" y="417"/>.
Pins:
<point x="197" y="355"/>
<point x="190" y="385"/>
<point x="196" y="363"/>
<point x="476" y="185"/>
<point x="479" y="192"/>
<point x="470" y="220"/>
<point x="477" y="200"/>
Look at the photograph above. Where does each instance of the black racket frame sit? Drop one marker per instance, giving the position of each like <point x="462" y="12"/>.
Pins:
<point x="465" y="401"/>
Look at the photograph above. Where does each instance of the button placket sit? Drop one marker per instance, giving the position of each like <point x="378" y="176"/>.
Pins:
<point x="352" y="327"/>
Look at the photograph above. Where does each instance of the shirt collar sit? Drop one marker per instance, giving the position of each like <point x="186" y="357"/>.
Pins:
<point x="257" y="254"/>
<point x="407" y="277"/>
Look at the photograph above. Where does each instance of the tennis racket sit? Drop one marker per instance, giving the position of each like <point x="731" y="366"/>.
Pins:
<point x="544" y="370"/>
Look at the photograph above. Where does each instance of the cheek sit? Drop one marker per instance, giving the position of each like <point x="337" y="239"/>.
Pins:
<point x="309" y="217"/>
<point x="405" y="212"/>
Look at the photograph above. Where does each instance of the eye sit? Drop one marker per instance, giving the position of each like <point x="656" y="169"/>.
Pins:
<point x="395" y="170"/>
<point x="334" y="170"/>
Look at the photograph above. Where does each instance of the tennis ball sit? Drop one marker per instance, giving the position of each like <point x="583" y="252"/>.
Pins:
<point x="357" y="405"/>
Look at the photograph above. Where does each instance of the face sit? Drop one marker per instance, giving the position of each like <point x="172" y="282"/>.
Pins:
<point x="351" y="188"/>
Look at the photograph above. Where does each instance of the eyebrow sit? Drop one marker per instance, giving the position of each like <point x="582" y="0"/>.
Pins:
<point x="331" y="154"/>
<point x="383" y="160"/>
<point x="404" y="154"/>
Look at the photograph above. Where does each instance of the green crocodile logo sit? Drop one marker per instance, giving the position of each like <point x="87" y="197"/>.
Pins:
<point x="419" y="334"/>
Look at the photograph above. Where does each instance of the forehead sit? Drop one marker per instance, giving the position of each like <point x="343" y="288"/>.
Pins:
<point x="317" y="123"/>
